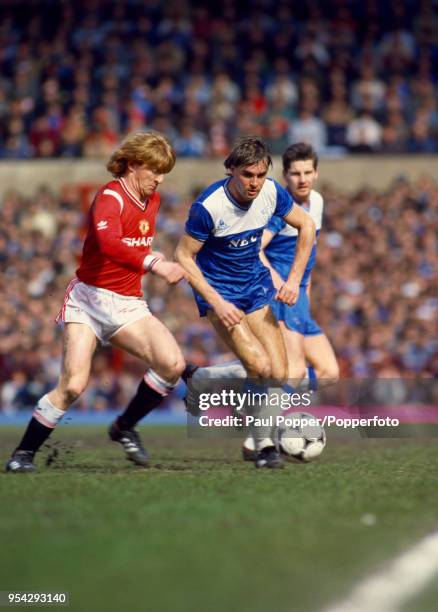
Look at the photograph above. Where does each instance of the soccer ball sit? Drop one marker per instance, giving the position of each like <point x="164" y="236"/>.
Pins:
<point x="301" y="437"/>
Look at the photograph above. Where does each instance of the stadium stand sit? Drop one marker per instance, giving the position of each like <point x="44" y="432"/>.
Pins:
<point x="357" y="76"/>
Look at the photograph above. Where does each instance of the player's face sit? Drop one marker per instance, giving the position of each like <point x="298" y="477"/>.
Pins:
<point x="145" y="180"/>
<point x="247" y="181"/>
<point x="300" y="178"/>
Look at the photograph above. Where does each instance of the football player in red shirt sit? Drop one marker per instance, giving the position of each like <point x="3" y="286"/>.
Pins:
<point x="104" y="303"/>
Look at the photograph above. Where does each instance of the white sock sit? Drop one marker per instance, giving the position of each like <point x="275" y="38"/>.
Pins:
<point x="265" y="434"/>
<point x="232" y="369"/>
<point x="46" y="413"/>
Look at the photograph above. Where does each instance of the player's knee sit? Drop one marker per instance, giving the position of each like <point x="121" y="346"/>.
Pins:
<point x="72" y="390"/>
<point x="333" y="374"/>
<point x="262" y="368"/>
<point x="178" y="367"/>
<point x="172" y="369"/>
<point x="279" y="373"/>
<point x="329" y="374"/>
<point x="258" y="366"/>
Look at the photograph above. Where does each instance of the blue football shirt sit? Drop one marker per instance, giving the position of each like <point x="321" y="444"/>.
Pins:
<point x="229" y="258"/>
<point x="281" y="250"/>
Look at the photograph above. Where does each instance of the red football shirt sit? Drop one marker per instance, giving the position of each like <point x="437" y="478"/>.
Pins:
<point x="120" y="234"/>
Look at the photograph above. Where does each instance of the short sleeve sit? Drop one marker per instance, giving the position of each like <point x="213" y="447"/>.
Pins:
<point x="276" y="224"/>
<point x="284" y="201"/>
<point x="199" y="223"/>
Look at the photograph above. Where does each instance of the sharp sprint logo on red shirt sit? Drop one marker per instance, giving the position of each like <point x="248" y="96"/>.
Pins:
<point x="143" y="241"/>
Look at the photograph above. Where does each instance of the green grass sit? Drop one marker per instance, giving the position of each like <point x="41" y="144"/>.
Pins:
<point x="426" y="602"/>
<point x="202" y="531"/>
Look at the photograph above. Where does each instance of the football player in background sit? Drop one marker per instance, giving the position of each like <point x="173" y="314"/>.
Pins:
<point x="305" y="341"/>
<point x="104" y="303"/>
<point x="221" y="255"/>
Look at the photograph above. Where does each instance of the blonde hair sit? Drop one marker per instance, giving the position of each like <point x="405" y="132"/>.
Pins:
<point x="150" y="148"/>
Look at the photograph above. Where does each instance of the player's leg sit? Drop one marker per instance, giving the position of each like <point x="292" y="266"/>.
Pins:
<point x="296" y="370"/>
<point x="233" y="370"/>
<point x="266" y="329"/>
<point x="258" y="343"/>
<point x="262" y="324"/>
<point x="149" y="340"/>
<point x="79" y="344"/>
<point x="320" y="355"/>
<point x="241" y="341"/>
<point x="230" y="369"/>
<point x="248" y="348"/>
<point x="296" y="363"/>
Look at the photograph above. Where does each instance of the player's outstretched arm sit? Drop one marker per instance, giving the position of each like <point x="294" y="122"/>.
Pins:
<point x="305" y="225"/>
<point x="171" y="271"/>
<point x="185" y="254"/>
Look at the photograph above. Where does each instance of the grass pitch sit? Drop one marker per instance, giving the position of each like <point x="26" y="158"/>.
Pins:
<point x="202" y="531"/>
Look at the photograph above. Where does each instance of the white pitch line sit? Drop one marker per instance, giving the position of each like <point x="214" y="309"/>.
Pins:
<point x="395" y="584"/>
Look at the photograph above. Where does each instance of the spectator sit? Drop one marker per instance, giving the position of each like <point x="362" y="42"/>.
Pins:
<point x="337" y="115"/>
<point x="307" y="127"/>
<point x="368" y="90"/>
<point x="395" y="133"/>
<point x="421" y="140"/>
<point x="364" y="133"/>
<point x="201" y="62"/>
<point x="190" y="142"/>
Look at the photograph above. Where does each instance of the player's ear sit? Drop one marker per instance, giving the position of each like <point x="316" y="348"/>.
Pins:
<point x="133" y="166"/>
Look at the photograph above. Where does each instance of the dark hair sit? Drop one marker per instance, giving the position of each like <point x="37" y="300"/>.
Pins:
<point x="247" y="151"/>
<point x="300" y="151"/>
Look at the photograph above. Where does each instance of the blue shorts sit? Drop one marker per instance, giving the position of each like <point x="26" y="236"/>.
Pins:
<point x="257" y="297"/>
<point x="297" y="318"/>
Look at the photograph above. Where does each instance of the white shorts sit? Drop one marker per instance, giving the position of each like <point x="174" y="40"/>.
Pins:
<point x="104" y="311"/>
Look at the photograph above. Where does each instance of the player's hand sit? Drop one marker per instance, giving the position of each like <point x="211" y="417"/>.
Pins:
<point x="288" y="293"/>
<point x="229" y="314"/>
<point x="171" y="271"/>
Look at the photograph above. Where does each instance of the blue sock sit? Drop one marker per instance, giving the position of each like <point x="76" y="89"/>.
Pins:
<point x="253" y="386"/>
<point x="288" y="388"/>
<point x="313" y="379"/>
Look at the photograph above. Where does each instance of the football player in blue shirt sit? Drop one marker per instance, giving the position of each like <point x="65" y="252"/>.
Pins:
<point x="221" y="255"/>
<point x="306" y="344"/>
<point x="305" y="341"/>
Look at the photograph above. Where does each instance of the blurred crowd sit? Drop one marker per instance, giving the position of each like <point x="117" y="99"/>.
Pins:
<point x="374" y="290"/>
<point x="357" y="75"/>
